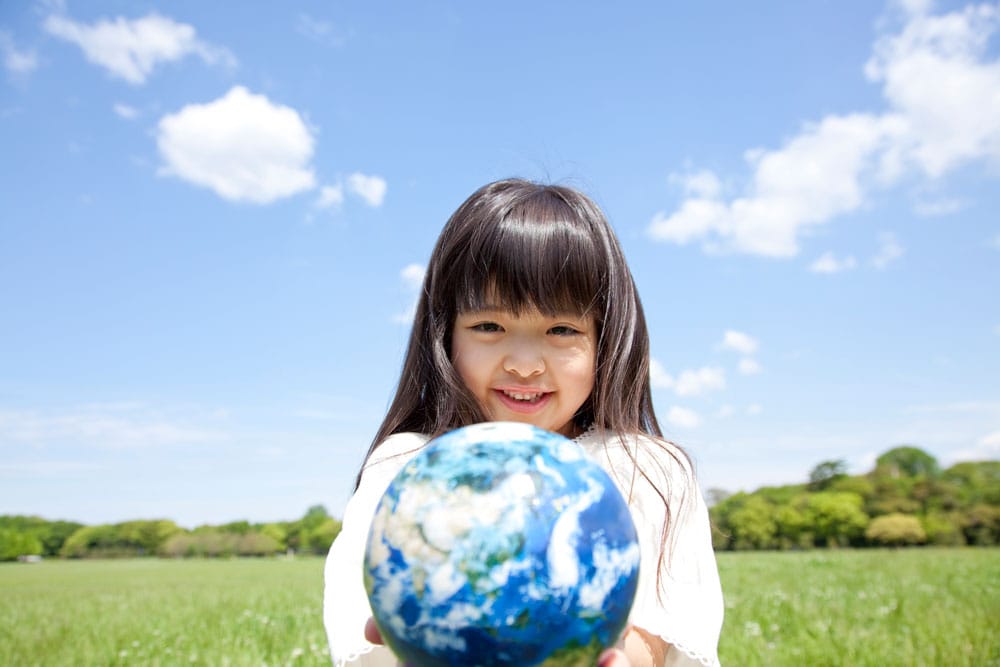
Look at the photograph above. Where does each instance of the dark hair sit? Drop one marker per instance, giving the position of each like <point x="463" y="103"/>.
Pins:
<point x="521" y="245"/>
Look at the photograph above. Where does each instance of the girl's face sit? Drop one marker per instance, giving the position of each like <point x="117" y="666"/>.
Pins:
<point x="528" y="368"/>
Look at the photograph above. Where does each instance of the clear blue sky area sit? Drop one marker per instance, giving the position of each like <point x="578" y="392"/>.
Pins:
<point x="214" y="216"/>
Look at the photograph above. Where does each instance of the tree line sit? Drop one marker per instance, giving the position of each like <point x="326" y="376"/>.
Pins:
<point x="22" y="536"/>
<point x="906" y="499"/>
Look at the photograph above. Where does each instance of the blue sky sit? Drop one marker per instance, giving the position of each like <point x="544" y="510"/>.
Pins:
<point x="213" y="221"/>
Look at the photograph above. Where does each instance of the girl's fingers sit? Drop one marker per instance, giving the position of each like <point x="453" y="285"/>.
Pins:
<point x="613" y="658"/>
<point x="371" y="632"/>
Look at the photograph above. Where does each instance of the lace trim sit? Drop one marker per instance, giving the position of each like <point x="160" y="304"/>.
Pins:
<point x="707" y="660"/>
<point x="351" y="657"/>
<point x="590" y="430"/>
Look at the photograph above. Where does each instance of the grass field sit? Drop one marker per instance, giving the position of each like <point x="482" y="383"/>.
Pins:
<point x="909" y="607"/>
<point x="862" y="608"/>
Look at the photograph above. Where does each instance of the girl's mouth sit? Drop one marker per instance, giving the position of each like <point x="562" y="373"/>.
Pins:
<point x="523" y="401"/>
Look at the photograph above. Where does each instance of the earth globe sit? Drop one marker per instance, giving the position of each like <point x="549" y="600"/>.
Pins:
<point x="501" y="544"/>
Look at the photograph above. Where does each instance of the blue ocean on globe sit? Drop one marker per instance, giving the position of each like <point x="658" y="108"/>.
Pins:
<point x="501" y="544"/>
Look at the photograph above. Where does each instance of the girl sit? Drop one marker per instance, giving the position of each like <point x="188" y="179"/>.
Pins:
<point x="529" y="313"/>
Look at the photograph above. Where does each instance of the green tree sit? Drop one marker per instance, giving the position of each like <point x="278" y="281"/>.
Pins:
<point x="323" y="535"/>
<point x="55" y="534"/>
<point x="977" y="481"/>
<point x="14" y="543"/>
<point x="276" y="532"/>
<point x="236" y="527"/>
<point x="907" y="461"/>
<point x="256" y="544"/>
<point x="719" y="514"/>
<point x="753" y="524"/>
<point x="300" y="533"/>
<point x="827" y="472"/>
<point x="981" y="525"/>
<point x="837" y="518"/>
<point x="860" y="485"/>
<point x="944" y="529"/>
<point x="896" y="530"/>
<point x="129" y="538"/>
<point x="794" y="526"/>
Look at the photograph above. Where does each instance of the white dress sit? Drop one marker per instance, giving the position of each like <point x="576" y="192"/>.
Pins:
<point x="687" y="614"/>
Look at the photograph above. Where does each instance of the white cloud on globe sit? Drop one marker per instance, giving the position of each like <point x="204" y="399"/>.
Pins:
<point x="612" y="565"/>
<point x="564" y="565"/>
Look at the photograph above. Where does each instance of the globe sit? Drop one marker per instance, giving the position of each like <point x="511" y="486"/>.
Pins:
<point x="501" y="544"/>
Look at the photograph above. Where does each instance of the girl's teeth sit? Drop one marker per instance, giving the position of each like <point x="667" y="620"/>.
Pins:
<point x="523" y="397"/>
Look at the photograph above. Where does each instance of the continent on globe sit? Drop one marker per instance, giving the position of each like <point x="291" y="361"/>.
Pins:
<point x="501" y="544"/>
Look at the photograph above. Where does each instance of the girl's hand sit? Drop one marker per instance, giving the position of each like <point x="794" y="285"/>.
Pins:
<point x="610" y="658"/>
<point x="613" y="658"/>
<point x="371" y="632"/>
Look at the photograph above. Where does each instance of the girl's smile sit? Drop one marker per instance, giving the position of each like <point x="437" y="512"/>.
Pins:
<point x="531" y="367"/>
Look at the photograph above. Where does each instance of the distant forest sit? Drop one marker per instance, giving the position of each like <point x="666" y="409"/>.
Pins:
<point x="907" y="499"/>
<point x="22" y="536"/>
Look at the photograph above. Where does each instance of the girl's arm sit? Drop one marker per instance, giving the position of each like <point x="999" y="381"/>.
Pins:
<point x="643" y="649"/>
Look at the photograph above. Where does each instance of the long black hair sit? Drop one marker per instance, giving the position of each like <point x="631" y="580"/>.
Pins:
<point x="525" y="245"/>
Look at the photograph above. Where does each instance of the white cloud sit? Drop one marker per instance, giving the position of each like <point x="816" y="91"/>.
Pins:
<point x="700" y="381"/>
<point x="828" y="263"/>
<point x="914" y="6"/>
<point x="242" y="146"/>
<point x="934" y="76"/>
<point x="659" y="378"/>
<point x="702" y="184"/>
<point x="370" y="188"/>
<point x="754" y="409"/>
<point x="683" y="417"/>
<point x="814" y="177"/>
<point x="330" y="196"/>
<point x="996" y="242"/>
<point x="889" y="251"/>
<point x="412" y="278"/>
<point x="131" y="49"/>
<point x="749" y="367"/>
<point x="740" y="342"/>
<point x="942" y="110"/>
<point x="987" y="448"/>
<point x="16" y="61"/>
<point x="125" y="111"/>
<point x="725" y="412"/>
<point x="689" y="382"/>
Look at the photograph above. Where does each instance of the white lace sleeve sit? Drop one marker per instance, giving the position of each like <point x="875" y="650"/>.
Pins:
<point x="345" y="603"/>
<point x="687" y="613"/>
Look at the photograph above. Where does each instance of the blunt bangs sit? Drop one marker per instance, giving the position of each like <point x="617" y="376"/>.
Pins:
<point x="540" y="254"/>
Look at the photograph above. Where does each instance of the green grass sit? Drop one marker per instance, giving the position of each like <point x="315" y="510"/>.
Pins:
<point x="163" y="612"/>
<point x="872" y="607"/>
<point x="860" y="608"/>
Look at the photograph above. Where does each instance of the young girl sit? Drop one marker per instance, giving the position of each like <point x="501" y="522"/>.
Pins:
<point x="529" y="313"/>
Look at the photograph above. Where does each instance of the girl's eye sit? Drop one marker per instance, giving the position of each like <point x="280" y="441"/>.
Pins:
<point x="563" y="330"/>
<point x="487" y="327"/>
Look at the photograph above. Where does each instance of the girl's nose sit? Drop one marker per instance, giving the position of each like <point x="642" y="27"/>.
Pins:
<point x="524" y="361"/>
